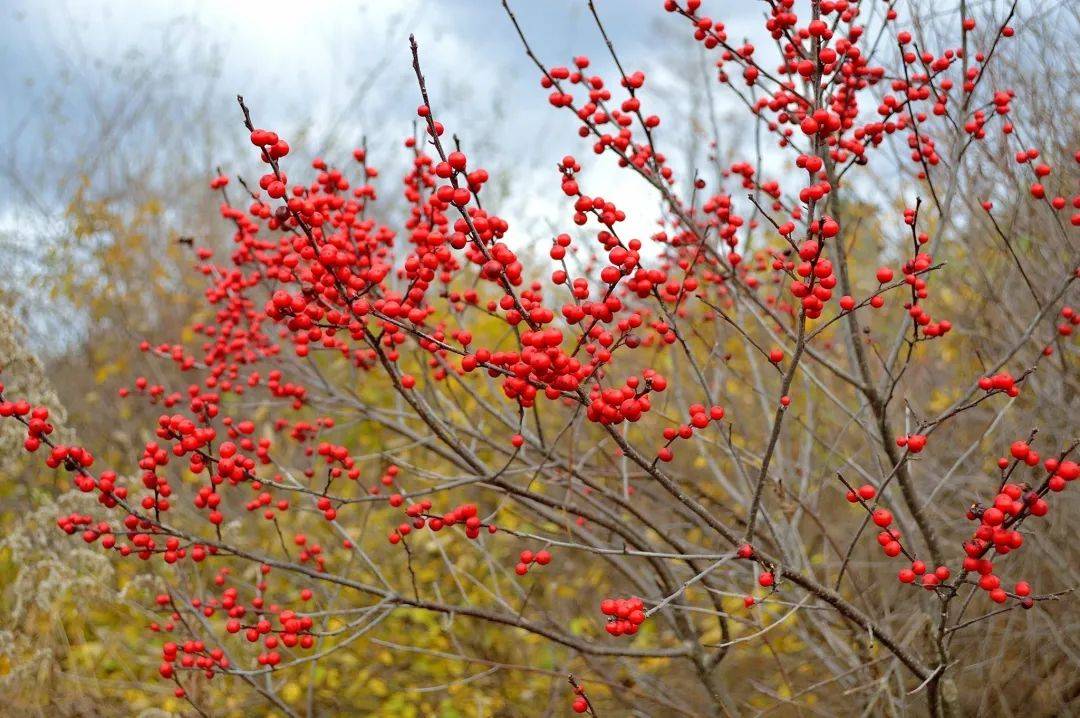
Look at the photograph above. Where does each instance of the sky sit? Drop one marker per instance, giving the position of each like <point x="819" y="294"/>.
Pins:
<point x="125" y="88"/>
<point x="325" y="73"/>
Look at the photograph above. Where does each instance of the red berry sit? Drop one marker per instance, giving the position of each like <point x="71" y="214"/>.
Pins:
<point x="882" y="517"/>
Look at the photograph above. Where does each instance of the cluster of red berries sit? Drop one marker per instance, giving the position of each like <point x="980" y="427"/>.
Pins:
<point x="625" y="615"/>
<point x="1061" y="473"/>
<point x="1010" y="505"/>
<point x="540" y="367"/>
<point x="581" y="702"/>
<point x="292" y="630"/>
<point x="915" y="443"/>
<point x="887" y="538"/>
<point x="766" y="579"/>
<point x="992" y="584"/>
<point x="527" y="558"/>
<point x="466" y="514"/>
<point x="913" y="270"/>
<point x="1071" y="316"/>
<point x="337" y="454"/>
<point x="595" y="113"/>
<point x="627" y="403"/>
<point x="834" y="56"/>
<point x="37" y="426"/>
<point x="890" y="541"/>
<point x="815" y="287"/>
<point x="607" y="214"/>
<point x="311" y="552"/>
<point x="815" y="191"/>
<point x="70" y="524"/>
<point x="191" y="655"/>
<point x="997" y="525"/>
<point x="1022" y="451"/>
<point x="1002" y="381"/>
<point x="206" y="497"/>
<point x="929" y="580"/>
<point x="866" y="492"/>
<point x="700" y="418"/>
<point x="386" y="479"/>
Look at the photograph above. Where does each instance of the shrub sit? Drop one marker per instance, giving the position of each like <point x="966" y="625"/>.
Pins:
<point x="637" y="458"/>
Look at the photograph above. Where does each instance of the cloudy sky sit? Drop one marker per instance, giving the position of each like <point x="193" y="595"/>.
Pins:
<point x="129" y="89"/>
<point x="325" y="73"/>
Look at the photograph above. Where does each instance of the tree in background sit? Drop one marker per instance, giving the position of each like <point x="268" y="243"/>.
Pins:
<point x="805" y="448"/>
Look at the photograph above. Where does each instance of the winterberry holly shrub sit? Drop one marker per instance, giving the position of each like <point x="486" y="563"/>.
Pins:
<point x="640" y="460"/>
